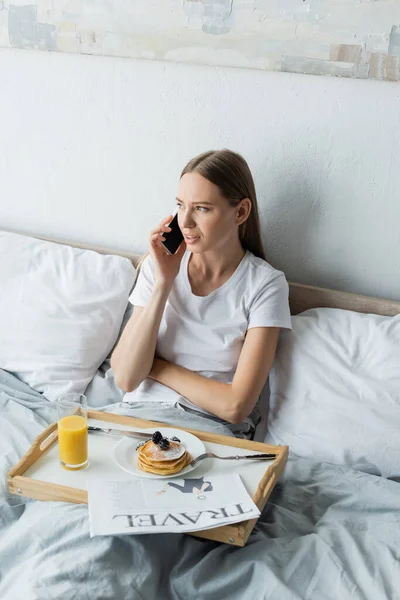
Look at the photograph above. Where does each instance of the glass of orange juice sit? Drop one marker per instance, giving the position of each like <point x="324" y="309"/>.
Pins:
<point x="72" y="431"/>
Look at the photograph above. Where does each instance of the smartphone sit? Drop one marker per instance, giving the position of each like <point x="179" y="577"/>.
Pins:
<point x="173" y="238"/>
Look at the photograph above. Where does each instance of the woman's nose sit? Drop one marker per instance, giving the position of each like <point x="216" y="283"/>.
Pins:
<point x="187" y="220"/>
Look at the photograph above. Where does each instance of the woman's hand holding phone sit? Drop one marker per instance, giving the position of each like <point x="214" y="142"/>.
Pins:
<point x="166" y="265"/>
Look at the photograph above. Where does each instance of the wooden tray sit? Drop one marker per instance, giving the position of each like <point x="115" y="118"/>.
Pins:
<point x="38" y="474"/>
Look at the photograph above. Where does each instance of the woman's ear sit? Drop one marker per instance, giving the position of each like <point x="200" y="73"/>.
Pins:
<point x="243" y="210"/>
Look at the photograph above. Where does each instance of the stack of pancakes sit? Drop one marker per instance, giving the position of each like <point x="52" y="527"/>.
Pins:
<point x="152" y="459"/>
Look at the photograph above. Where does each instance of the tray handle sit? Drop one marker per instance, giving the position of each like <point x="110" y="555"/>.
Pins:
<point x="34" y="451"/>
<point x="270" y="486"/>
<point x="48" y="440"/>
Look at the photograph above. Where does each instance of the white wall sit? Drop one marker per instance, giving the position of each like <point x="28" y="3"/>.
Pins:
<point x="91" y="150"/>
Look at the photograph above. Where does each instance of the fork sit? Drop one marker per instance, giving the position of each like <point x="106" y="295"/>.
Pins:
<point x="236" y="457"/>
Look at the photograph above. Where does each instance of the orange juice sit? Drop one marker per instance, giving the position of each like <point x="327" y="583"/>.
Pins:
<point x="73" y="442"/>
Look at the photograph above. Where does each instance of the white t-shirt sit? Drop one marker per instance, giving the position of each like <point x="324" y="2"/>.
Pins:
<point x="206" y="333"/>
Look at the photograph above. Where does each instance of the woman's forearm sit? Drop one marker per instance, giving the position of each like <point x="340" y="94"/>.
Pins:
<point x="133" y="357"/>
<point x="230" y="401"/>
<point x="213" y="396"/>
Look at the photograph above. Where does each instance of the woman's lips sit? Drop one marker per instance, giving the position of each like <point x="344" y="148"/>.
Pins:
<point x="191" y="239"/>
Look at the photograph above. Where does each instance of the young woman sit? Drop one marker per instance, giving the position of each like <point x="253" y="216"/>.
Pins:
<point x="206" y="321"/>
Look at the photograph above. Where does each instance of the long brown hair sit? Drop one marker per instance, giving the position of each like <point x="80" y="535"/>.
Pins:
<point x="231" y="174"/>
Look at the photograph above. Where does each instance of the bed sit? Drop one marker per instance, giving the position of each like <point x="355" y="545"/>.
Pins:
<point x="331" y="529"/>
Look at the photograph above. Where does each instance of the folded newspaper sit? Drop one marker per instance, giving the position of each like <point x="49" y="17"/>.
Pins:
<point x="135" y="506"/>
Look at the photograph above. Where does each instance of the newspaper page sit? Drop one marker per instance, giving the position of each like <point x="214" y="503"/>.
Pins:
<point x="137" y="506"/>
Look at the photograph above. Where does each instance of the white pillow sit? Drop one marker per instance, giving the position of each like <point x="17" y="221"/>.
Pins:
<point x="335" y="390"/>
<point x="61" y="309"/>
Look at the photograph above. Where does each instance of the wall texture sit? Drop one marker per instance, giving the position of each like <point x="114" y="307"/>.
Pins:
<point x="348" y="38"/>
<point x="92" y="147"/>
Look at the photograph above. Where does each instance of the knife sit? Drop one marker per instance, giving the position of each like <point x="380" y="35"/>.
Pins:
<point x="122" y="432"/>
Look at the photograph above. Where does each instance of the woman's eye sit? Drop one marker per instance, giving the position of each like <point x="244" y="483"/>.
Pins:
<point x="179" y="206"/>
<point x="202" y="209"/>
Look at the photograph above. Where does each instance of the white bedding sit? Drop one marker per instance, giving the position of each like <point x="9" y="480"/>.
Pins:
<point x="335" y="390"/>
<point x="60" y="311"/>
<point x="328" y="532"/>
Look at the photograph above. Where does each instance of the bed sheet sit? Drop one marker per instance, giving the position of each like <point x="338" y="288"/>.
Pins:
<point x="327" y="533"/>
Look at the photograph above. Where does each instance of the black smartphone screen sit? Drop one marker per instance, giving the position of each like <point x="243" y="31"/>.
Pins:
<point x="173" y="238"/>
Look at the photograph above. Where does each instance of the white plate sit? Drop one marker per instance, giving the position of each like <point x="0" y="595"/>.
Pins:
<point x="125" y="452"/>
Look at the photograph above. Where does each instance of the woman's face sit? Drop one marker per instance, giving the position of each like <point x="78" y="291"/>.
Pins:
<point x="205" y="217"/>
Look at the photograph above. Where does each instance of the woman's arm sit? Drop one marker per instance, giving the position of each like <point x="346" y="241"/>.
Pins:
<point x="230" y="401"/>
<point x="133" y="356"/>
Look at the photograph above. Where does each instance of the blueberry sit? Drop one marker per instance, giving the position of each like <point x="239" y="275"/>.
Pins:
<point x="164" y="444"/>
<point x="157" y="437"/>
